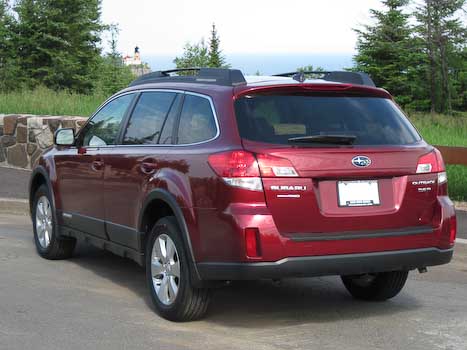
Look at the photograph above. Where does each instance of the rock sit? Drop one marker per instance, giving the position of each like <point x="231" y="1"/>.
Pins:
<point x="9" y="124"/>
<point x="32" y="137"/>
<point x="35" y="123"/>
<point x="53" y="123"/>
<point x="68" y="123"/>
<point x="17" y="156"/>
<point x="7" y="140"/>
<point x="35" y="158"/>
<point x="44" y="137"/>
<point x="2" y="154"/>
<point x="31" y="147"/>
<point x="23" y="120"/>
<point x="22" y="134"/>
<point x="1" y="130"/>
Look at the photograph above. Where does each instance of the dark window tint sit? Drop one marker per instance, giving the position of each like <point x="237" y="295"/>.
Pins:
<point x="103" y="128"/>
<point x="277" y="118"/>
<point x="197" y="121"/>
<point x="148" y="118"/>
<point x="167" y="130"/>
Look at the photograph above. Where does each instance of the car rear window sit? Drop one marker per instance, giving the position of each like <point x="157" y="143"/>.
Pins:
<point x="278" y="118"/>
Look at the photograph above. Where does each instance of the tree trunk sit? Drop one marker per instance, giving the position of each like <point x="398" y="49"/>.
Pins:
<point x="431" y="56"/>
<point x="446" y="91"/>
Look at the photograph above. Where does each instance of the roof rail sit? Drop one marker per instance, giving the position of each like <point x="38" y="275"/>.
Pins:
<point x="214" y="76"/>
<point x="358" y="78"/>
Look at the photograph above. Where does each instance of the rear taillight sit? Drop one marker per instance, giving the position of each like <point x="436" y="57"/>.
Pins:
<point x="242" y="169"/>
<point x="433" y="163"/>
<point x="238" y="169"/>
<point x="275" y="166"/>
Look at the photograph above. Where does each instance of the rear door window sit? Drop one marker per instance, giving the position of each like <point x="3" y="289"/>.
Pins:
<point x="278" y="118"/>
<point x="148" y="117"/>
<point x="197" y="122"/>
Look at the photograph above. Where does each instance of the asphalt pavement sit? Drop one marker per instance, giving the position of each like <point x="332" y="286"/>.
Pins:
<point x="99" y="301"/>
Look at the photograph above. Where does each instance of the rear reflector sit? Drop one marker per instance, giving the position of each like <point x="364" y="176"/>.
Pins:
<point x="252" y="243"/>
<point x="452" y="229"/>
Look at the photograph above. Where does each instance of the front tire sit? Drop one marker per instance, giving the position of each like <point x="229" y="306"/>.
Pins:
<point x="48" y="244"/>
<point x="167" y="273"/>
<point x="376" y="287"/>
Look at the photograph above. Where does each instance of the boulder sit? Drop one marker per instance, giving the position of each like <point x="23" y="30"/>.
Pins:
<point x="9" y="124"/>
<point x="17" y="156"/>
<point x="22" y="134"/>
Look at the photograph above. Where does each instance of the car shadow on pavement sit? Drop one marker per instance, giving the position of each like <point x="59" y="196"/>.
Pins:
<point x="256" y="304"/>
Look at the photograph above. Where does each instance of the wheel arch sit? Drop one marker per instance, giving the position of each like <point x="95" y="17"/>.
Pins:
<point x="160" y="203"/>
<point x="38" y="178"/>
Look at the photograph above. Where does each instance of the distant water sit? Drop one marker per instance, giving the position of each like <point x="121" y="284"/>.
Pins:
<point x="267" y="63"/>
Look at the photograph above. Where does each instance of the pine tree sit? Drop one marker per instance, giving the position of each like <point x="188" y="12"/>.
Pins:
<point x="388" y="52"/>
<point x="112" y="75"/>
<point x="57" y="42"/>
<point x="8" y="64"/>
<point x="216" y="59"/>
<point x="443" y="36"/>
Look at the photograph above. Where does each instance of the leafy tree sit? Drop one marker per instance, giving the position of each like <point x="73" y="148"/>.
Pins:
<point x="216" y="59"/>
<point x="443" y="37"/>
<point x="388" y="52"/>
<point x="112" y="74"/>
<point x="202" y="55"/>
<point x="194" y="55"/>
<point x="8" y="64"/>
<point x="58" y="42"/>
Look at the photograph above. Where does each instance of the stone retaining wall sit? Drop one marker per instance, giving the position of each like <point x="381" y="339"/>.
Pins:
<point x="23" y="138"/>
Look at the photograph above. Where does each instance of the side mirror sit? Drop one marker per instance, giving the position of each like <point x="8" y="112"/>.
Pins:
<point x="64" y="137"/>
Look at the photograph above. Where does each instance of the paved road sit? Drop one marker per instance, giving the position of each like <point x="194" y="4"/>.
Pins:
<point x="99" y="301"/>
<point x="14" y="183"/>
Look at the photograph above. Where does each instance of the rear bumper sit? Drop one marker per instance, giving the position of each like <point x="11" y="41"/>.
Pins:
<point x="346" y="264"/>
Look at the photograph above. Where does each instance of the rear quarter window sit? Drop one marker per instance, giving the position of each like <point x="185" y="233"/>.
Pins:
<point x="277" y="118"/>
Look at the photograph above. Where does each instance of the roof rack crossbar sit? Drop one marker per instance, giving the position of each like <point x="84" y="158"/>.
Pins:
<point x="358" y="78"/>
<point x="215" y="76"/>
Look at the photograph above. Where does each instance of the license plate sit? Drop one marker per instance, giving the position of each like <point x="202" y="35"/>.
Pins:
<point x="361" y="193"/>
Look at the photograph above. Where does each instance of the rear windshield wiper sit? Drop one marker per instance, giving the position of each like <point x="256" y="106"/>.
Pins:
<point x="334" y="139"/>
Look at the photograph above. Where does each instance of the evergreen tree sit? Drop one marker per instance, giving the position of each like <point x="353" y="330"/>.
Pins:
<point x="112" y="75"/>
<point x="443" y="36"/>
<point x="388" y="53"/>
<point x="216" y="59"/>
<point x="8" y="64"/>
<point x="57" y="42"/>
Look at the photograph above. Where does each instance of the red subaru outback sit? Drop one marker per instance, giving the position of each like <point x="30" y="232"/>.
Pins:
<point x="215" y="177"/>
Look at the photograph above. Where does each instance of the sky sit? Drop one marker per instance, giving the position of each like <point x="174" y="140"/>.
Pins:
<point x="259" y="27"/>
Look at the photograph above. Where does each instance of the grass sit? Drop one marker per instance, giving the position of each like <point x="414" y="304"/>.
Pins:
<point x="436" y="129"/>
<point x="43" y="101"/>
<point x="447" y="131"/>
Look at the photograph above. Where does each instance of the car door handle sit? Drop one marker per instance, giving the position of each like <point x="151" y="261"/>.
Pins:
<point x="148" y="167"/>
<point x="97" y="165"/>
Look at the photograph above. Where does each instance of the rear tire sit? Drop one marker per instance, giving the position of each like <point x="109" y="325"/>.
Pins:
<point x="48" y="244"/>
<point x="167" y="273"/>
<point x="376" y="287"/>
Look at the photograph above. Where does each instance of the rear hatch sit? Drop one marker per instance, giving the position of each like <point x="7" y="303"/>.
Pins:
<point x="346" y="163"/>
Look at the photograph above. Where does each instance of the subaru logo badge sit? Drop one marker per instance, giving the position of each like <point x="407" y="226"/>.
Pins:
<point x="361" y="161"/>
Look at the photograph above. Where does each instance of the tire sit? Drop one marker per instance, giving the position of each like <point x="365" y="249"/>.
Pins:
<point x="48" y="244"/>
<point x="181" y="304"/>
<point x="376" y="287"/>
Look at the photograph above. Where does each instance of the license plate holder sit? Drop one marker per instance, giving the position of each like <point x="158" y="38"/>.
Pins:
<point x="360" y="193"/>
